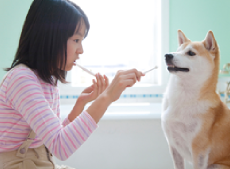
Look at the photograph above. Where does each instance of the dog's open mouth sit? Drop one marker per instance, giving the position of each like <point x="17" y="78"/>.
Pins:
<point x="174" y="68"/>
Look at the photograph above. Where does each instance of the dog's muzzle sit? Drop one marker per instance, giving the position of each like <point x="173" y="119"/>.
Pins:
<point x="171" y="66"/>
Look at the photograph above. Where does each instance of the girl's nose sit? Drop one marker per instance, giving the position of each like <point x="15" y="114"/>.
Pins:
<point x="80" y="50"/>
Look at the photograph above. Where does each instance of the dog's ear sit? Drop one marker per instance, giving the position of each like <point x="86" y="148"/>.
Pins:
<point x="181" y="37"/>
<point x="209" y="41"/>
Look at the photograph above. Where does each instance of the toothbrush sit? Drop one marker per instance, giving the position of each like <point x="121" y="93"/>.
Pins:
<point x="85" y="70"/>
<point x="150" y="70"/>
<point x="95" y="75"/>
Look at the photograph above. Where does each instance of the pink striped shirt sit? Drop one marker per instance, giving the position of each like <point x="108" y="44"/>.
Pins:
<point x="28" y="102"/>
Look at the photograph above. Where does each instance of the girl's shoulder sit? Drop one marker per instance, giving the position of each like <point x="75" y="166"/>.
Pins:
<point x="19" y="75"/>
<point x="21" y="70"/>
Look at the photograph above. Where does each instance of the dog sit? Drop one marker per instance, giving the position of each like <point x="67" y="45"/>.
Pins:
<point x="196" y="123"/>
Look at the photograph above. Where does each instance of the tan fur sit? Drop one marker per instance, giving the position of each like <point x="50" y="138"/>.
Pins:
<point x="215" y="132"/>
<point x="213" y="137"/>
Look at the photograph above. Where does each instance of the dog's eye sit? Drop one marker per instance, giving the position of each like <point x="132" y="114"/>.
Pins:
<point x="190" y="53"/>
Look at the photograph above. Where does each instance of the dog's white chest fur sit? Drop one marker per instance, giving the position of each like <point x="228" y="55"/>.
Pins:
<point x="180" y="122"/>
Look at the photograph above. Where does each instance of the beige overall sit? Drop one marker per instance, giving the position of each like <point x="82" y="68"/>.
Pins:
<point x="27" y="158"/>
<point x="24" y="158"/>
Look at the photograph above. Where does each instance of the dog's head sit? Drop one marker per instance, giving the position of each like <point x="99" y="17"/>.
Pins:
<point x="194" y="59"/>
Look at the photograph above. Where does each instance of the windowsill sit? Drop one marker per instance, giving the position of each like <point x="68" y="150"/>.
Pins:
<point x="138" y="85"/>
<point x="119" y="111"/>
<point x="124" y="111"/>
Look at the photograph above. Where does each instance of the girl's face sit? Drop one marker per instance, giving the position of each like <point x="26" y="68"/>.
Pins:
<point x="74" y="47"/>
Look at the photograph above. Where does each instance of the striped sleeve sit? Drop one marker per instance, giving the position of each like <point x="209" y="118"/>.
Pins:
<point x="66" y="120"/>
<point x="24" y="94"/>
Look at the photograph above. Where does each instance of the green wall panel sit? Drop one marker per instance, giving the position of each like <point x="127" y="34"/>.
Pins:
<point x="12" y="16"/>
<point x="196" y="17"/>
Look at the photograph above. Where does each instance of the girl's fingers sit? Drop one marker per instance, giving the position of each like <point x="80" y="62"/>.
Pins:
<point x="121" y="81"/>
<point x="94" y="85"/>
<point x="95" y="89"/>
<point x="102" y="82"/>
<point x="106" y="81"/>
<point x="131" y="76"/>
<point x="129" y="82"/>
<point x="137" y="73"/>
<point x="130" y="71"/>
<point x="102" y="87"/>
<point x="99" y="83"/>
<point x="88" y="89"/>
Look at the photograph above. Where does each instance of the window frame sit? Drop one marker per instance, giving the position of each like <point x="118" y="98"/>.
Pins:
<point x="69" y="94"/>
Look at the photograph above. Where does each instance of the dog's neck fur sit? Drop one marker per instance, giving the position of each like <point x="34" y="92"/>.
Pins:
<point x="185" y="87"/>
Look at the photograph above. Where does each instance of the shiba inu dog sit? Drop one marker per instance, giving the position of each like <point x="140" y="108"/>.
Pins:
<point x="195" y="121"/>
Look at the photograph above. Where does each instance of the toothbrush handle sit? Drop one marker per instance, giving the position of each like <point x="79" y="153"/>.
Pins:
<point x="150" y="70"/>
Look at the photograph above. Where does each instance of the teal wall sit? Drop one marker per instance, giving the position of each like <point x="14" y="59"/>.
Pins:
<point x="193" y="17"/>
<point x="12" y="16"/>
<point x="196" y="17"/>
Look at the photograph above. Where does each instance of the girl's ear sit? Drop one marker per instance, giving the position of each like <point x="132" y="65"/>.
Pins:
<point x="209" y="41"/>
<point x="181" y="37"/>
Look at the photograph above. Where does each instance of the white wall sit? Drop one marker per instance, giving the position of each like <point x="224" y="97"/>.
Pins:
<point x="125" y="142"/>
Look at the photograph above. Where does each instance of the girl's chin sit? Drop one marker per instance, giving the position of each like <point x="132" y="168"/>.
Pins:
<point x="68" y="68"/>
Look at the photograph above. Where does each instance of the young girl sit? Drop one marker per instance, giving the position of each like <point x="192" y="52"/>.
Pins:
<point x="30" y="127"/>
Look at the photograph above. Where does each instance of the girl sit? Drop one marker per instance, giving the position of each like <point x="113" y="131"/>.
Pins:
<point x="30" y="126"/>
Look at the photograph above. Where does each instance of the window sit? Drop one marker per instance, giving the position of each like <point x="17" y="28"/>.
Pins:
<point x="124" y="34"/>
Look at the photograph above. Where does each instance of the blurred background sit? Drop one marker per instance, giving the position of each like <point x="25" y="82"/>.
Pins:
<point x="129" y="135"/>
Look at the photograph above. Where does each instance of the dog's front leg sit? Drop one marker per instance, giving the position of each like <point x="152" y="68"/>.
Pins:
<point x="200" y="161"/>
<point x="178" y="160"/>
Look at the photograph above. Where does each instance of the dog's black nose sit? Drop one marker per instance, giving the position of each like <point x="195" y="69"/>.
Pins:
<point x="168" y="56"/>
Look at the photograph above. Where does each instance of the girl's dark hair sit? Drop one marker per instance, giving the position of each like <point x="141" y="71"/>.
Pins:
<point x="43" y="41"/>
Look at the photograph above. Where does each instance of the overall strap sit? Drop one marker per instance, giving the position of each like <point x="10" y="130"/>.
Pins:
<point x="24" y="147"/>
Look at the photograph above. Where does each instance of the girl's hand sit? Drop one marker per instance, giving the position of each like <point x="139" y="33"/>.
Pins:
<point x="93" y="91"/>
<point x="88" y="95"/>
<point x="122" y="80"/>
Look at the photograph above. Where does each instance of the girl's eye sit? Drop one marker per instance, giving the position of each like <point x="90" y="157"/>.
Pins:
<point x="190" y="53"/>
<point x="76" y="40"/>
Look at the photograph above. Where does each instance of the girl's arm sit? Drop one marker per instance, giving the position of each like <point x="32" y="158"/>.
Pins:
<point x="25" y="95"/>
<point x="122" y="80"/>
